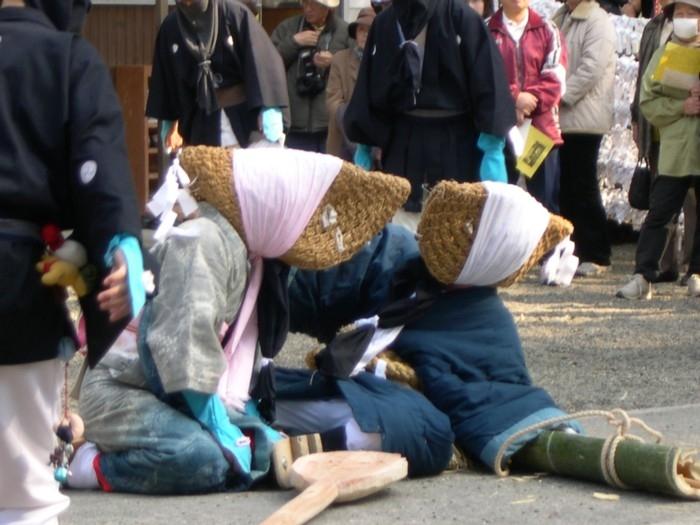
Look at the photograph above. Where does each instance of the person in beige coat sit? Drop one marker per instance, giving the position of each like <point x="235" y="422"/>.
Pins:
<point x="586" y="114"/>
<point x="341" y="82"/>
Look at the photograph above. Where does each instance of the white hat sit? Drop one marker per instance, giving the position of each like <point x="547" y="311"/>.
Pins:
<point x="668" y="8"/>
<point x="331" y="4"/>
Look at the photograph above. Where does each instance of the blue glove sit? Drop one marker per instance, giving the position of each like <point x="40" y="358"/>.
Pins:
<point x="363" y="157"/>
<point x="129" y="246"/>
<point x="209" y="410"/>
<point x="165" y="127"/>
<point x="493" y="163"/>
<point x="272" y="124"/>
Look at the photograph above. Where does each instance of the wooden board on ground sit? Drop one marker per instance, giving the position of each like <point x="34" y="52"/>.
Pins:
<point x="339" y="476"/>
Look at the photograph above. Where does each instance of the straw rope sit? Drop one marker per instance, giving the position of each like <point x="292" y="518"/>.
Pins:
<point x="616" y="417"/>
<point x="396" y="368"/>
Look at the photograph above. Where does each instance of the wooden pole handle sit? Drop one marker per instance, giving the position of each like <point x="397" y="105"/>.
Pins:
<point x="315" y="498"/>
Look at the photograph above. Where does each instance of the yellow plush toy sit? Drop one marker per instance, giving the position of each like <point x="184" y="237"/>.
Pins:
<point x="62" y="264"/>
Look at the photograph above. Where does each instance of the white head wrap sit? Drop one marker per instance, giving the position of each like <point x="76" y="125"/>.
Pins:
<point x="511" y="225"/>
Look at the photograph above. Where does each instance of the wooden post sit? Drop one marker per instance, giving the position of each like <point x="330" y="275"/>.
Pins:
<point x="131" y="84"/>
<point x="161" y="11"/>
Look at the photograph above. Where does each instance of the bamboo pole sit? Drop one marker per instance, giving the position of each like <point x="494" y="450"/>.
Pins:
<point x="644" y="466"/>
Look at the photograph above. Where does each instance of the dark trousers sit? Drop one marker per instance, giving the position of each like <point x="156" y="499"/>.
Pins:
<point x="426" y="150"/>
<point x="579" y="197"/>
<point x="544" y="184"/>
<point x="665" y="201"/>
<point x="315" y="141"/>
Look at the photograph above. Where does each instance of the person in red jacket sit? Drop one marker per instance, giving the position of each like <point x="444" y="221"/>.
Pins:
<point x="535" y="62"/>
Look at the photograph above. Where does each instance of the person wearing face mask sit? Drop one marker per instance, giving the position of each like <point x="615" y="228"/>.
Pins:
<point x="675" y="112"/>
<point x="217" y="74"/>
<point x="432" y="94"/>
<point x="63" y="163"/>
<point x="341" y="82"/>
<point x="656" y="34"/>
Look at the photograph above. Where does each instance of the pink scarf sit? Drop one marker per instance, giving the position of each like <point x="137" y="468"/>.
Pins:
<point x="278" y="191"/>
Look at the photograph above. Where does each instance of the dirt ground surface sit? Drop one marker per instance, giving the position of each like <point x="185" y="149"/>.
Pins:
<point x="588" y="348"/>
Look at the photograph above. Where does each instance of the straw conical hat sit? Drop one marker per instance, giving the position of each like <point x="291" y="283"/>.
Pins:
<point x="449" y="226"/>
<point x="362" y="203"/>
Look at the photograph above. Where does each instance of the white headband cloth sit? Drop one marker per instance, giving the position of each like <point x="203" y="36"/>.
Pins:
<point x="510" y="227"/>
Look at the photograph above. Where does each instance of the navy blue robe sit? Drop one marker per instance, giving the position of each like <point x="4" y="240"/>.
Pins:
<point x="465" y="348"/>
<point x="62" y="161"/>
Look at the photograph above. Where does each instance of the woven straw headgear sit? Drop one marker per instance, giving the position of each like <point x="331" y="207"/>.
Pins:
<point x="450" y="223"/>
<point x="362" y="203"/>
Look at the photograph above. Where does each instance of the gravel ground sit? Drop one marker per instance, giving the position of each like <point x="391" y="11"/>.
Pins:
<point x="591" y="349"/>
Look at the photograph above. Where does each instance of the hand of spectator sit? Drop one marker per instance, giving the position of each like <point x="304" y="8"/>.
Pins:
<point x="691" y="106"/>
<point x="173" y="140"/>
<point x="322" y="59"/>
<point x="526" y="102"/>
<point x="114" y="298"/>
<point x="695" y="90"/>
<point x="519" y="116"/>
<point x="306" y="38"/>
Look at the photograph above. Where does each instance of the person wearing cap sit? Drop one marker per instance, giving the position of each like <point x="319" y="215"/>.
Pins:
<point x="341" y="83"/>
<point x="535" y="61"/>
<point x="63" y="166"/>
<point x="183" y="402"/>
<point x="675" y="112"/>
<point x="217" y="76"/>
<point x="307" y="43"/>
<point x="432" y="94"/>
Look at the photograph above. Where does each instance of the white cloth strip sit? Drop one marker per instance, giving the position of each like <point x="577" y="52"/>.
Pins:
<point x="510" y="227"/>
<point x="380" y="341"/>
<point x="560" y="267"/>
<point x="278" y="191"/>
<point x="175" y="189"/>
<point x="29" y="410"/>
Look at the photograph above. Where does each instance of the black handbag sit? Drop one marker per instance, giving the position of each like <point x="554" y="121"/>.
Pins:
<point x="640" y="186"/>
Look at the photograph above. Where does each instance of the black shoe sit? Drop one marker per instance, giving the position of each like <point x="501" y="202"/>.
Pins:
<point x="684" y="280"/>
<point x="667" y="276"/>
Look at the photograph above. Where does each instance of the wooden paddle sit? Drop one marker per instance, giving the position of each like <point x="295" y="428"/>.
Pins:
<point x="339" y="476"/>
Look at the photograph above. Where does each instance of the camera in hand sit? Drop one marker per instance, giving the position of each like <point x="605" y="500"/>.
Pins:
<point x="311" y="80"/>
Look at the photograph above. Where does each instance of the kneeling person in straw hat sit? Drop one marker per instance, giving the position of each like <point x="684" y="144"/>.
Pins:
<point x="437" y="309"/>
<point x="174" y="406"/>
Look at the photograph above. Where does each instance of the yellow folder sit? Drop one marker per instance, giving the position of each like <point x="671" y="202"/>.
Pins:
<point x="537" y="147"/>
<point x="678" y="67"/>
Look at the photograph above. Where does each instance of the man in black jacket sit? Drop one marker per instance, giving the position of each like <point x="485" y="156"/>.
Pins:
<point x="432" y="93"/>
<point x="216" y="73"/>
<point x="62" y="163"/>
